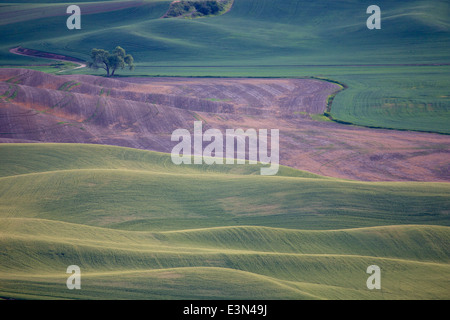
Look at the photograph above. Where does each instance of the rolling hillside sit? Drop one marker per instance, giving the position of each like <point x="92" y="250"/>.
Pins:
<point x="143" y="112"/>
<point x="141" y="228"/>
<point x="397" y="76"/>
<point x="253" y="32"/>
<point x="86" y="177"/>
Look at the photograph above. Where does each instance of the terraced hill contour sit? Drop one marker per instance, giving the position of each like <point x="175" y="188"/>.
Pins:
<point x="140" y="227"/>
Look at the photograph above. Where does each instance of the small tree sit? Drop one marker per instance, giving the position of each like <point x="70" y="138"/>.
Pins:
<point x="111" y="62"/>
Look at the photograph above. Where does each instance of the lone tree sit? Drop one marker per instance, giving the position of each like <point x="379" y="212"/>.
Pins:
<point x="118" y="59"/>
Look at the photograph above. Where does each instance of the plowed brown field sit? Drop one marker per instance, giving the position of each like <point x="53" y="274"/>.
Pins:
<point x="143" y="113"/>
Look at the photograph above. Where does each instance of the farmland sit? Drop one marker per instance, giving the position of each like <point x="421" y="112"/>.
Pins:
<point x="143" y="112"/>
<point x="239" y="44"/>
<point x="140" y="227"/>
<point x="87" y="179"/>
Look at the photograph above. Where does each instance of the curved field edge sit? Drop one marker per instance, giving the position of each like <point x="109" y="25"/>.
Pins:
<point x="409" y="98"/>
<point x="140" y="265"/>
<point x="405" y="242"/>
<point x="51" y="218"/>
<point x="141" y="190"/>
<point x="25" y="158"/>
<point x="388" y="106"/>
<point x="296" y="39"/>
<point x="218" y="283"/>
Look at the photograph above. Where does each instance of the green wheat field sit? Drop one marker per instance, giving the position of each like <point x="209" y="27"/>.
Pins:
<point x="140" y="227"/>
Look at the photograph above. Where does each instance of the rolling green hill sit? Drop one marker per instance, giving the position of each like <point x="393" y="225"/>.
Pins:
<point x="254" y="32"/>
<point x="140" y="227"/>
<point x="266" y="38"/>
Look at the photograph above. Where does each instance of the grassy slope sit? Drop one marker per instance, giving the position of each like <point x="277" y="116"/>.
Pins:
<point x="412" y="98"/>
<point x="112" y="180"/>
<point x="131" y="219"/>
<point x="254" y="32"/>
<point x="218" y="249"/>
<point x="269" y="38"/>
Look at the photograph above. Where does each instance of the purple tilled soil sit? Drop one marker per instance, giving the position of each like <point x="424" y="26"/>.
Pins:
<point x="143" y="112"/>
